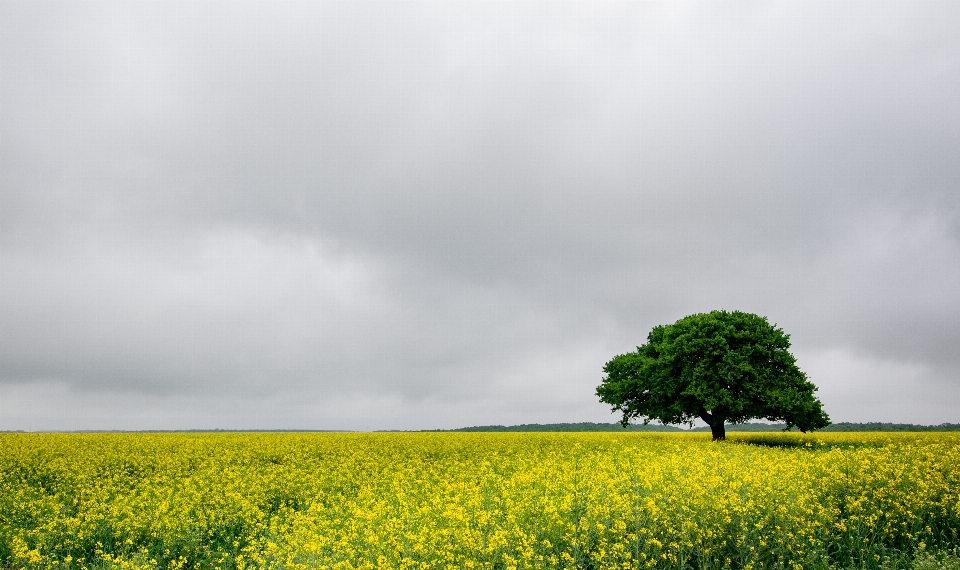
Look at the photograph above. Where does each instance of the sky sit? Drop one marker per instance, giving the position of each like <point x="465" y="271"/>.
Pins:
<point x="405" y="215"/>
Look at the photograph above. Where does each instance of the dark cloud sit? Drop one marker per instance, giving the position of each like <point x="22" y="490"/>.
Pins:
<point x="408" y="215"/>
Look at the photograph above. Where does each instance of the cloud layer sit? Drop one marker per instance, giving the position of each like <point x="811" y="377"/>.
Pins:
<point x="398" y="216"/>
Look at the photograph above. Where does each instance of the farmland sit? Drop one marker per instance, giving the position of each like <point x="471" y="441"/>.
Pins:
<point x="476" y="500"/>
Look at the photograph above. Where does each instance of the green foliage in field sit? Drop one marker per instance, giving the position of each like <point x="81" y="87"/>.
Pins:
<point x="582" y="426"/>
<point x="755" y="426"/>
<point x="938" y="561"/>
<point x="467" y="500"/>
<point x="846" y="427"/>
<point x="883" y="426"/>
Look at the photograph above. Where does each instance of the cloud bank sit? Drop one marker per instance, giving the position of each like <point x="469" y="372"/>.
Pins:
<point x="418" y="215"/>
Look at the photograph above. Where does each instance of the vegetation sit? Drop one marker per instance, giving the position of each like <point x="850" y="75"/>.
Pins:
<point x="844" y="427"/>
<point x="590" y="426"/>
<point x="939" y="561"/>
<point x="720" y="367"/>
<point x="467" y="500"/>
<point x="582" y="426"/>
<point x="878" y="426"/>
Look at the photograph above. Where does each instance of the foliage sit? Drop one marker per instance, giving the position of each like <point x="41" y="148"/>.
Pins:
<point x="747" y="427"/>
<point x="938" y="561"/>
<point x="468" y="500"/>
<point x="884" y="426"/>
<point x="722" y="367"/>
<point x="844" y="426"/>
<point x="581" y="426"/>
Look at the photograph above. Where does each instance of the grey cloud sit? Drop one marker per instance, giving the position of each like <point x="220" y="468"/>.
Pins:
<point x="467" y="205"/>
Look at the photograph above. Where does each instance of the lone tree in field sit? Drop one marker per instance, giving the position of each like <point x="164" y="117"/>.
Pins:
<point x="720" y="367"/>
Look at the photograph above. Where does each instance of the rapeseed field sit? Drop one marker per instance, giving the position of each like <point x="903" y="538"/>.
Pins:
<point x="468" y="500"/>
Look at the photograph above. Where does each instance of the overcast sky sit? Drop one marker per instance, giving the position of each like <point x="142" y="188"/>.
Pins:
<point x="431" y="215"/>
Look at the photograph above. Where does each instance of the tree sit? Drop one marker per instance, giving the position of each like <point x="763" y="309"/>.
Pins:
<point x="720" y="367"/>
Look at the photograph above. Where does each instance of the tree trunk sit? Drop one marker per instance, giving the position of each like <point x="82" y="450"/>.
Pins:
<point x="715" y="422"/>
<point x="719" y="431"/>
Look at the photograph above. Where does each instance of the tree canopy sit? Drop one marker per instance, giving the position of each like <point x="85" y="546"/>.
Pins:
<point x="719" y="367"/>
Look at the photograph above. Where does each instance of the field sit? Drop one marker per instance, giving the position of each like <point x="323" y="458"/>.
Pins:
<point x="476" y="500"/>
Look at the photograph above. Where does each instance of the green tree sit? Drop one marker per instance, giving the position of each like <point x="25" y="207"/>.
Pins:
<point x="722" y="367"/>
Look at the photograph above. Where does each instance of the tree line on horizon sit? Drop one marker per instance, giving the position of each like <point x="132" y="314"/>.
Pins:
<point x="761" y="427"/>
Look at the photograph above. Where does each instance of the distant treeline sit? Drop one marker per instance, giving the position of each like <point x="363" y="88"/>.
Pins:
<point x="877" y="426"/>
<point x="591" y="426"/>
<point x="582" y="426"/>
